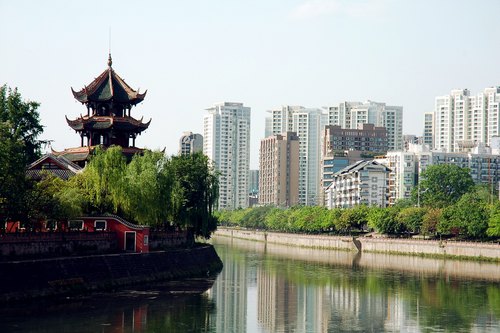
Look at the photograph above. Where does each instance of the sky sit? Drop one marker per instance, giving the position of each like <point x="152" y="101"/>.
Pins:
<point x="189" y="55"/>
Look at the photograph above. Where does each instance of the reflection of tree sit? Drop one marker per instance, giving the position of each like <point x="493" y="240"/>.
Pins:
<point x="191" y="315"/>
<point x="378" y="298"/>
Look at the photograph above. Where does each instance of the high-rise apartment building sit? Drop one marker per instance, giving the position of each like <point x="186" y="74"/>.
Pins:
<point x="351" y="114"/>
<point x="279" y="170"/>
<point x="226" y="141"/>
<point x="190" y="143"/>
<point x="428" y="135"/>
<point x="307" y="123"/>
<point x="462" y="121"/>
<point x="365" y="138"/>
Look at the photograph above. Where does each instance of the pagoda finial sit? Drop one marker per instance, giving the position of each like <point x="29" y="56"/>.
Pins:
<point x="109" y="60"/>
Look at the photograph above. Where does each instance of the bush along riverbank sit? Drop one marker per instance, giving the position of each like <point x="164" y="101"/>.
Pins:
<point x="22" y="280"/>
<point x="426" y="248"/>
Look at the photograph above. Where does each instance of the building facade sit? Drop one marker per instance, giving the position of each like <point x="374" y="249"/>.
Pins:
<point x="461" y="121"/>
<point x="365" y="138"/>
<point x="190" y="143"/>
<point x="406" y="166"/>
<point x="226" y="141"/>
<point x="351" y="114"/>
<point x="279" y="170"/>
<point x="307" y="123"/>
<point x="365" y="182"/>
<point x="337" y="161"/>
<point x="428" y="134"/>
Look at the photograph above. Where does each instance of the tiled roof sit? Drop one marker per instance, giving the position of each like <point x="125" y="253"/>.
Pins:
<point x="104" y="122"/>
<point x="109" y="86"/>
<point x="59" y="166"/>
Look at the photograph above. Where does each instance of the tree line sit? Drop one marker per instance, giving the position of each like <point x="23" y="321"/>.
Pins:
<point x="166" y="193"/>
<point x="446" y="202"/>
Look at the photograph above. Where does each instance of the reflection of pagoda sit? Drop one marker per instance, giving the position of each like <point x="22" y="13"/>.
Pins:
<point x="108" y="122"/>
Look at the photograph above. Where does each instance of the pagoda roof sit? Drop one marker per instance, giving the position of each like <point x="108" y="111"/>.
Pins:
<point x="104" y="122"/>
<point x="109" y="86"/>
<point x="82" y="153"/>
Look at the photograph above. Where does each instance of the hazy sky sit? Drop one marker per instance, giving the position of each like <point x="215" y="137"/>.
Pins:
<point x="192" y="54"/>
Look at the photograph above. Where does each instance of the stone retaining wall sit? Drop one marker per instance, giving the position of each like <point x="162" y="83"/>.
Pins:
<point x="55" y="243"/>
<point x="390" y="245"/>
<point x="29" y="278"/>
<point x="315" y="241"/>
<point x="159" y="240"/>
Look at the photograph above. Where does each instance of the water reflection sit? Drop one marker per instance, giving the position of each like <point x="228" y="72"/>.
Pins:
<point x="177" y="306"/>
<point x="273" y="288"/>
<point x="307" y="290"/>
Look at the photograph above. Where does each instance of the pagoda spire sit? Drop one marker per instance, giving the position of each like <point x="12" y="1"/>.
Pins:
<point x="110" y="62"/>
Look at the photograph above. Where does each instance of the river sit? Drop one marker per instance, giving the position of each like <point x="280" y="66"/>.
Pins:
<point x="276" y="288"/>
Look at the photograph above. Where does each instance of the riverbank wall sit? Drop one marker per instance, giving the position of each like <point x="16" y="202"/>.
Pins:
<point x="313" y="241"/>
<point x="436" y="248"/>
<point x="27" y="279"/>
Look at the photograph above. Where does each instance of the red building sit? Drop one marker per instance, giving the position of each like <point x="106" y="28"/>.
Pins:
<point x="108" y="121"/>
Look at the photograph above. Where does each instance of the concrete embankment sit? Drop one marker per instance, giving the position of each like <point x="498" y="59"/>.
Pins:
<point x="449" y="268"/>
<point x="32" y="278"/>
<point x="368" y="244"/>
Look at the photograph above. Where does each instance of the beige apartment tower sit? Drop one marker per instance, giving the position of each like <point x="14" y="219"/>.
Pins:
<point x="279" y="170"/>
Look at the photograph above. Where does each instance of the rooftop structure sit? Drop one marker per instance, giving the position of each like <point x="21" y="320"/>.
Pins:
<point x="108" y="120"/>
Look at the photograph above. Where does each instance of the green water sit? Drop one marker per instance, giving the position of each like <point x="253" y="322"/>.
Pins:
<point x="272" y="288"/>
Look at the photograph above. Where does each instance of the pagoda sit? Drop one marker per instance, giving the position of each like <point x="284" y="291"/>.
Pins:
<point x="108" y="121"/>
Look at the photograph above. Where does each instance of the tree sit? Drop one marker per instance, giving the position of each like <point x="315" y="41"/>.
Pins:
<point x="103" y="179"/>
<point x="19" y="145"/>
<point x="442" y="185"/>
<point x="471" y="215"/>
<point x="25" y="124"/>
<point x="494" y="221"/>
<point x="411" y="217"/>
<point x="196" y="199"/>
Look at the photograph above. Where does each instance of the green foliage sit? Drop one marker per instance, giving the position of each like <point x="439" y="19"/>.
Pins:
<point x="494" y="221"/>
<point x="442" y="185"/>
<point x="385" y="220"/>
<point x="19" y="145"/>
<point x="411" y="217"/>
<point x="24" y="121"/>
<point x="104" y="179"/>
<point x="430" y="220"/>
<point x="471" y="215"/>
<point x="486" y="193"/>
<point x="353" y="218"/>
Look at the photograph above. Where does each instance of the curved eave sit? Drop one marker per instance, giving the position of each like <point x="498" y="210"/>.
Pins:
<point x="114" y="81"/>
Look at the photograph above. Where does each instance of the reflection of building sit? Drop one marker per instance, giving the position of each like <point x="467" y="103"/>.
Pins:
<point x="109" y="101"/>
<point x="230" y="295"/>
<point x="190" y="143"/>
<point x="277" y="302"/>
<point x="279" y="170"/>
<point x="226" y="141"/>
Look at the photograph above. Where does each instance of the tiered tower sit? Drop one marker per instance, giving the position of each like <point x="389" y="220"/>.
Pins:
<point x="108" y="121"/>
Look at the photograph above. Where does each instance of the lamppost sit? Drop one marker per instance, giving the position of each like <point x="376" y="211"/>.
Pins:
<point x="418" y="194"/>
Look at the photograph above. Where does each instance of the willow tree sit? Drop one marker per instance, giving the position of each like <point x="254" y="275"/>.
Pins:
<point x="195" y="193"/>
<point x="148" y="188"/>
<point x="103" y="180"/>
